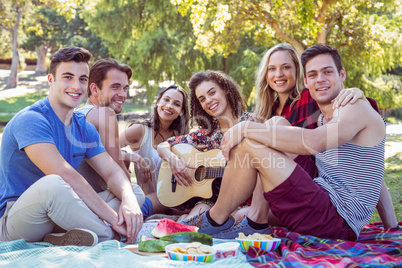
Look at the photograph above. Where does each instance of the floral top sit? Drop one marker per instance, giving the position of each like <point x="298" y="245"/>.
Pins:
<point x="205" y="140"/>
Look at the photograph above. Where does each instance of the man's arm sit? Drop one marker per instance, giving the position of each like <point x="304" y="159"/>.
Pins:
<point x="344" y="127"/>
<point x="385" y="208"/>
<point x="132" y="137"/>
<point x="49" y="160"/>
<point x="105" y="121"/>
<point x="129" y="211"/>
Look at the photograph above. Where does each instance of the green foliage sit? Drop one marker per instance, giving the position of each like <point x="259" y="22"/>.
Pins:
<point x="152" y="37"/>
<point x="385" y="89"/>
<point x="48" y="30"/>
<point x="5" y="45"/>
<point x="55" y="30"/>
<point x="367" y="33"/>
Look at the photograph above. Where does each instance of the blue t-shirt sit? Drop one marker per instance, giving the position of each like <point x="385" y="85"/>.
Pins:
<point x="39" y="124"/>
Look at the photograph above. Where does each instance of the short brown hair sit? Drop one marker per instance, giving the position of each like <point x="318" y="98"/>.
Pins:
<point x="227" y="84"/>
<point x="97" y="73"/>
<point x="320" y="49"/>
<point x="77" y="54"/>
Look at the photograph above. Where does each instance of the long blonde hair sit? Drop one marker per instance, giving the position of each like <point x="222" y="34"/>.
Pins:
<point x="266" y="96"/>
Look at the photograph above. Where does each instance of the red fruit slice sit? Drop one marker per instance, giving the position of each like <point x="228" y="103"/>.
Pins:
<point x="167" y="227"/>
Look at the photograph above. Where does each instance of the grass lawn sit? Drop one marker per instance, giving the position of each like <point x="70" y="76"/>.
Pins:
<point x="392" y="177"/>
<point x="10" y="106"/>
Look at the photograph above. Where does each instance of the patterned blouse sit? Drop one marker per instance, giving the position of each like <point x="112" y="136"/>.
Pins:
<point x="205" y="140"/>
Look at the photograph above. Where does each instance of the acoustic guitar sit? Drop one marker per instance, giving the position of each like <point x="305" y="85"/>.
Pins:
<point x="209" y="166"/>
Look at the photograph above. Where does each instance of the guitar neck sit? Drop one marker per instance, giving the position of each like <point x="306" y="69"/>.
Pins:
<point x="214" y="172"/>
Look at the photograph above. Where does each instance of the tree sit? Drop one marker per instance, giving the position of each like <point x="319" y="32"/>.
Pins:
<point x="15" y="13"/>
<point x="11" y="13"/>
<point x="46" y="32"/>
<point x="152" y="37"/>
<point x="367" y="33"/>
<point x="52" y="30"/>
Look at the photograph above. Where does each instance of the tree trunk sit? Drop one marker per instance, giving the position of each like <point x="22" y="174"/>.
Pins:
<point x="224" y="67"/>
<point x="322" y="36"/>
<point x="12" y="80"/>
<point x="41" y="68"/>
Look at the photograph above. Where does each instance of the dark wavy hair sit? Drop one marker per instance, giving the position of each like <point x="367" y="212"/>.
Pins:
<point x="77" y="54"/>
<point x="227" y="84"/>
<point x="179" y="125"/>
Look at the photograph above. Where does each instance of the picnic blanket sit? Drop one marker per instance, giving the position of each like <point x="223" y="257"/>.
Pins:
<point x="376" y="247"/>
<point x="108" y="254"/>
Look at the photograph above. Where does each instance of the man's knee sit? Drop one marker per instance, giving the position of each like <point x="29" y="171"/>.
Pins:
<point x="51" y="181"/>
<point x="250" y="147"/>
<point x="53" y="185"/>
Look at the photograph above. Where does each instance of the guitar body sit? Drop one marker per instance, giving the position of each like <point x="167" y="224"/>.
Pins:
<point x="208" y="165"/>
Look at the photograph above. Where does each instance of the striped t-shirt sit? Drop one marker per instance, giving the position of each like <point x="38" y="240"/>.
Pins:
<point x="352" y="175"/>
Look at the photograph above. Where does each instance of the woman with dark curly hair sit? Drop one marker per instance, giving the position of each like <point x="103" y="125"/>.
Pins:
<point x="216" y="105"/>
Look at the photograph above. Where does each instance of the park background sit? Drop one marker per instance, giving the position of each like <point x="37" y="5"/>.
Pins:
<point x="165" y="41"/>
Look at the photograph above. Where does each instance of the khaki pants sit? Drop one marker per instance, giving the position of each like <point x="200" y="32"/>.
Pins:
<point x="51" y="205"/>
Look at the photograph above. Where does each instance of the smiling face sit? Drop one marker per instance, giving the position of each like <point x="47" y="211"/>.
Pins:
<point x="212" y="99"/>
<point x="281" y="74"/>
<point x="114" y="90"/>
<point x="322" y="79"/>
<point x="170" y="105"/>
<point x="68" y="86"/>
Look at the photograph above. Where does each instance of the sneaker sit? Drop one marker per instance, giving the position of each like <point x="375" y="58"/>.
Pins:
<point x="73" y="237"/>
<point x="201" y="221"/>
<point x="241" y="227"/>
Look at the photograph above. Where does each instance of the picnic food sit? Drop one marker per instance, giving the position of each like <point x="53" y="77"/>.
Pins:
<point x="255" y="236"/>
<point x="167" y="227"/>
<point x="193" y="249"/>
<point x="187" y="237"/>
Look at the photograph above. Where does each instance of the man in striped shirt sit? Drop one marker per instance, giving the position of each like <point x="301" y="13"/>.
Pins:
<point x="349" y="148"/>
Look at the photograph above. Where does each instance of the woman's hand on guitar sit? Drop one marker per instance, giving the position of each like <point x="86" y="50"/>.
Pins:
<point x="179" y="171"/>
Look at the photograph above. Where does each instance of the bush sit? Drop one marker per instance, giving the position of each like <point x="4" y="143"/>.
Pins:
<point x="27" y="61"/>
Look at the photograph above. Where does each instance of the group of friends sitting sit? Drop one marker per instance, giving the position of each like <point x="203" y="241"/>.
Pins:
<point x="309" y="158"/>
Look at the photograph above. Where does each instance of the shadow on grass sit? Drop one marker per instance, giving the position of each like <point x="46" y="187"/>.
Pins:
<point x="12" y="105"/>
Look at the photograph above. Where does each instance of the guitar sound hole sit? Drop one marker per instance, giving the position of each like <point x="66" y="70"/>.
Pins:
<point x="199" y="173"/>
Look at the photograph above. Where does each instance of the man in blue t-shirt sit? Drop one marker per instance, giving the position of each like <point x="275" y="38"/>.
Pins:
<point x="40" y="190"/>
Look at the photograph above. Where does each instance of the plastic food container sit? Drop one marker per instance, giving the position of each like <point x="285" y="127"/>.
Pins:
<point x="176" y="256"/>
<point x="227" y="250"/>
<point x="267" y="245"/>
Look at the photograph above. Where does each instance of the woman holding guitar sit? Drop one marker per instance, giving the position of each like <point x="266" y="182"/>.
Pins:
<point x="216" y="105"/>
<point x="169" y="118"/>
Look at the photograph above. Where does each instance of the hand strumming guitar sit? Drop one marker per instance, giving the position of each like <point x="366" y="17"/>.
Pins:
<point x="178" y="167"/>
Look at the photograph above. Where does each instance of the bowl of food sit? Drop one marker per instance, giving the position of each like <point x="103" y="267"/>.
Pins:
<point x="190" y="252"/>
<point x="226" y="250"/>
<point x="263" y="241"/>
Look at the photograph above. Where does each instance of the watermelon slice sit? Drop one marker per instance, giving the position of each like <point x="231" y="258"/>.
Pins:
<point x="167" y="227"/>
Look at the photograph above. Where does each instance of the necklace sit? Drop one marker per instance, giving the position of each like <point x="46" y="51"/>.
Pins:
<point x="322" y="119"/>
